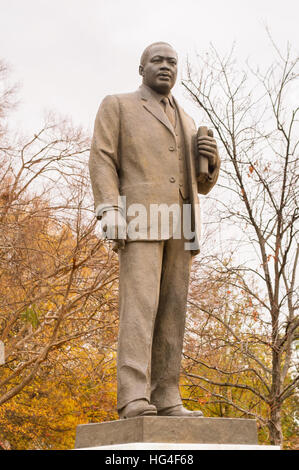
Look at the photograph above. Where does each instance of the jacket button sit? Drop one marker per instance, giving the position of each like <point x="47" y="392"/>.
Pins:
<point x="171" y="149"/>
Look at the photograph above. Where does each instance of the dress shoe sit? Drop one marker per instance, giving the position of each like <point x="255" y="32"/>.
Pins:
<point x="137" y="408"/>
<point x="179" y="410"/>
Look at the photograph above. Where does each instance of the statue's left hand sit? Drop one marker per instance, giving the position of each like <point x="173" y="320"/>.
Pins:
<point x="207" y="147"/>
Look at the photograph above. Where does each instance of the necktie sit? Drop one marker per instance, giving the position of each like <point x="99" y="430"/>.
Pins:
<point x="169" y="111"/>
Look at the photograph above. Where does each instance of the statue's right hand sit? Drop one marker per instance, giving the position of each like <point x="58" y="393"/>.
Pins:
<point x="114" y="225"/>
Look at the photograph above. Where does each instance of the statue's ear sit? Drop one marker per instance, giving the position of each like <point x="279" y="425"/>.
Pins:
<point x="141" y="70"/>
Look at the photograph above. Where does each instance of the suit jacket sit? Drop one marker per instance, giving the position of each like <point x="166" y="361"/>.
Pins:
<point x="134" y="153"/>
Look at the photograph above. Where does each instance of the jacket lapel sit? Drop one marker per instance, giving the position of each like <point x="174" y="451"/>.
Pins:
<point x="152" y="105"/>
<point x="189" y="137"/>
<point x="189" y="142"/>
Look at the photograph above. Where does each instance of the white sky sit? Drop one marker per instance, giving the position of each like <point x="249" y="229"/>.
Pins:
<point x="68" y="54"/>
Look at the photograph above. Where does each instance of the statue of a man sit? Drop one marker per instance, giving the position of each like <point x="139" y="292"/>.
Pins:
<point x="146" y="148"/>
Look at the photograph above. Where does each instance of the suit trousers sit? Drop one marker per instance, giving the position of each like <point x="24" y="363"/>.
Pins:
<point x="153" y="289"/>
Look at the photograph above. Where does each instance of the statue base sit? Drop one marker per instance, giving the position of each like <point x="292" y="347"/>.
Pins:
<point x="163" y="432"/>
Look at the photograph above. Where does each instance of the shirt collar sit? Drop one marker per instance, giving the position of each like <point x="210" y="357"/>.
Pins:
<point x="158" y="96"/>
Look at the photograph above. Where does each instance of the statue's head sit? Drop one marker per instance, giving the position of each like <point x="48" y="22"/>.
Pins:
<point x="158" y="67"/>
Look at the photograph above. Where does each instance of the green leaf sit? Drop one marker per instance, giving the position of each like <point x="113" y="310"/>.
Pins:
<point x="29" y="315"/>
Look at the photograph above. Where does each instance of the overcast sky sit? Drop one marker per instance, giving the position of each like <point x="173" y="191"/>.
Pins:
<point x="68" y="54"/>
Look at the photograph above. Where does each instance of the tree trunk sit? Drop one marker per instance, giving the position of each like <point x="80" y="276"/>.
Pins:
<point x="275" y="425"/>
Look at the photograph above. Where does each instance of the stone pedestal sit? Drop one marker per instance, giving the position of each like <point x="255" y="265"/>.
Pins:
<point x="163" y="432"/>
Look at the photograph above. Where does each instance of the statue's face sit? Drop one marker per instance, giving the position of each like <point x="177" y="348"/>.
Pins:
<point x="160" y="69"/>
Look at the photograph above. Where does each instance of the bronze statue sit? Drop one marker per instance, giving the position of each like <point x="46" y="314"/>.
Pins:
<point x="146" y="148"/>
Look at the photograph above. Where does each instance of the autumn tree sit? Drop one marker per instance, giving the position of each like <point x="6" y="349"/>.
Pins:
<point x="252" y="217"/>
<point x="76" y="385"/>
<point x="58" y="281"/>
